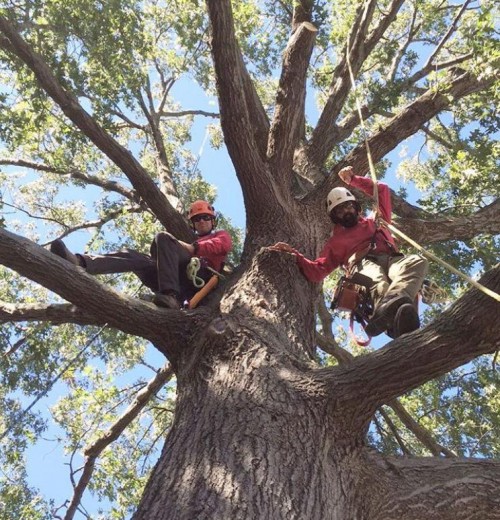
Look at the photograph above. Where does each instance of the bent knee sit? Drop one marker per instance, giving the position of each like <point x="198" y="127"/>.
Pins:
<point x="419" y="262"/>
<point x="163" y="236"/>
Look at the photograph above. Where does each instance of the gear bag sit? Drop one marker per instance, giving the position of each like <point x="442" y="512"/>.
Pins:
<point x="352" y="294"/>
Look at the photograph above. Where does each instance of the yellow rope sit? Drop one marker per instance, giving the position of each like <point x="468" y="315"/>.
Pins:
<point x="432" y="256"/>
<point x="373" y="174"/>
<point x="367" y="144"/>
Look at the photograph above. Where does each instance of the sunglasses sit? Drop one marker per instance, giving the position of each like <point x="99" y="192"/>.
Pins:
<point x="199" y="218"/>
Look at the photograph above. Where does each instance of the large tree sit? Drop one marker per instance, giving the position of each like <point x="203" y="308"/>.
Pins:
<point x="266" y="425"/>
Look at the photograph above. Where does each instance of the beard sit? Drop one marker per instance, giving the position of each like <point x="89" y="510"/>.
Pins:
<point x="349" y="220"/>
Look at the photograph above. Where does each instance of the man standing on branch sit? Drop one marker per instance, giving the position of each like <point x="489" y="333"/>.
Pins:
<point x="164" y="271"/>
<point x="357" y="243"/>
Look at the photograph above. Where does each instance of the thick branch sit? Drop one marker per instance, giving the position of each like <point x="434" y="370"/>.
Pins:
<point x="238" y="98"/>
<point x="486" y="221"/>
<point x="184" y="113"/>
<point x="452" y="489"/>
<point x="359" y="47"/>
<point x="465" y="331"/>
<point x="55" y="313"/>
<point x="242" y="115"/>
<point x="408" y="122"/>
<point x="330" y="346"/>
<point x="139" y="178"/>
<point x="167" y="329"/>
<point x="395" y="432"/>
<point x="75" y="174"/>
<point x="449" y="32"/>
<point x="302" y="12"/>
<point x="96" y="448"/>
<point x="163" y="164"/>
<point x="423" y="435"/>
<point x="288" y="123"/>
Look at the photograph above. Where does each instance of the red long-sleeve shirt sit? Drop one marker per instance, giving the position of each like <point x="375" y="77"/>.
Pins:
<point x="344" y="242"/>
<point x="214" y="248"/>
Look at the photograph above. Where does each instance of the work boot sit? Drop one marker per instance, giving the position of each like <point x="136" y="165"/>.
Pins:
<point x="58" y="248"/>
<point x="406" y="320"/>
<point x="384" y="314"/>
<point x="169" y="300"/>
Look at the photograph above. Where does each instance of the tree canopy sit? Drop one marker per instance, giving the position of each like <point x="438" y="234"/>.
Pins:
<point x="96" y="149"/>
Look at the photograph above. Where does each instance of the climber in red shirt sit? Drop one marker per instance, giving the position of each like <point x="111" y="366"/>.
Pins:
<point x="358" y="242"/>
<point x="164" y="269"/>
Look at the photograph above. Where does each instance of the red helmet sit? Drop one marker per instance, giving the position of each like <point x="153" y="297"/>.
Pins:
<point x="200" y="207"/>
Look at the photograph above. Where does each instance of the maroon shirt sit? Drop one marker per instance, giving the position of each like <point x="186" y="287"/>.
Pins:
<point x="344" y="242"/>
<point x="214" y="248"/>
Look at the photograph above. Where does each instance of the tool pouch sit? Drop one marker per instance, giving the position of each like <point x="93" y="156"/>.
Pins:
<point x="351" y="292"/>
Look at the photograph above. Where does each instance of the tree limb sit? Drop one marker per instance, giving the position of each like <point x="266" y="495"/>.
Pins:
<point x="289" y="116"/>
<point x="55" y="313"/>
<point x="329" y="345"/>
<point x="359" y="46"/>
<point x="243" y="119"/>
<point x="421" y="433"/>
<point x="485" y="221"/>
<point x="452" y="488"/>
<point x="163" y="164"/>
<point x="100" y="302"/>
<point x="97" y="447"/>
<point x="142" y="182"/>
<point x="233" y="79"/>
<point x="406" y="123"/>
<point x="448" y="33"/>
<point x="184" y="113"/>
<point x="302" y="12"/>
<point x="395" y="432"/>
<point x="76" y="174"/>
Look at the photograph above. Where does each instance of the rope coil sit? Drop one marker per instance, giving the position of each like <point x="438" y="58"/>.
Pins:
<point x="192" y="269"/>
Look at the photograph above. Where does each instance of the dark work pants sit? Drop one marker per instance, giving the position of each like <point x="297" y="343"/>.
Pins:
<point x="162" y="271"/>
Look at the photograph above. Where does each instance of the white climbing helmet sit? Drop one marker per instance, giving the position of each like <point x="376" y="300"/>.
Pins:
<point x="338" y="196"/>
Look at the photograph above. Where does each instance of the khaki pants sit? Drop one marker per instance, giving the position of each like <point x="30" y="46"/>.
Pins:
<point x="394" y="275"/>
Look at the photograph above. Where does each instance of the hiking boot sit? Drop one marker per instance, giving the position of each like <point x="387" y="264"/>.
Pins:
<point x="169" y="301"/>
<point x="58" y="248"/>
<point x="384" y="314"/>
<point x="406" y="320"/>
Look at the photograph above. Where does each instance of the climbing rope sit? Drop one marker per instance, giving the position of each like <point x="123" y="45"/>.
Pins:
<point x="432" y="293"/>
<point x="365" y="134"/>
<point x="396" y="231"/>
<point x="192" y="269"/>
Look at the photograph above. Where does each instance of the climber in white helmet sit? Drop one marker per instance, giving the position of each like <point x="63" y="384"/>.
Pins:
<point x="358" y="242"/>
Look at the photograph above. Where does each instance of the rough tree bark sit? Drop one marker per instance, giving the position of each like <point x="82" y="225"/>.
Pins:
<point x="260" y="431"/>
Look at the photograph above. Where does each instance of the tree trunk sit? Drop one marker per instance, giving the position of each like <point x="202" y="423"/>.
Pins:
<point x="259" y="432"/>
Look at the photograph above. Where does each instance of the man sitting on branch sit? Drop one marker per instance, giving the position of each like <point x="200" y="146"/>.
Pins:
<point x="164" y="270"/>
